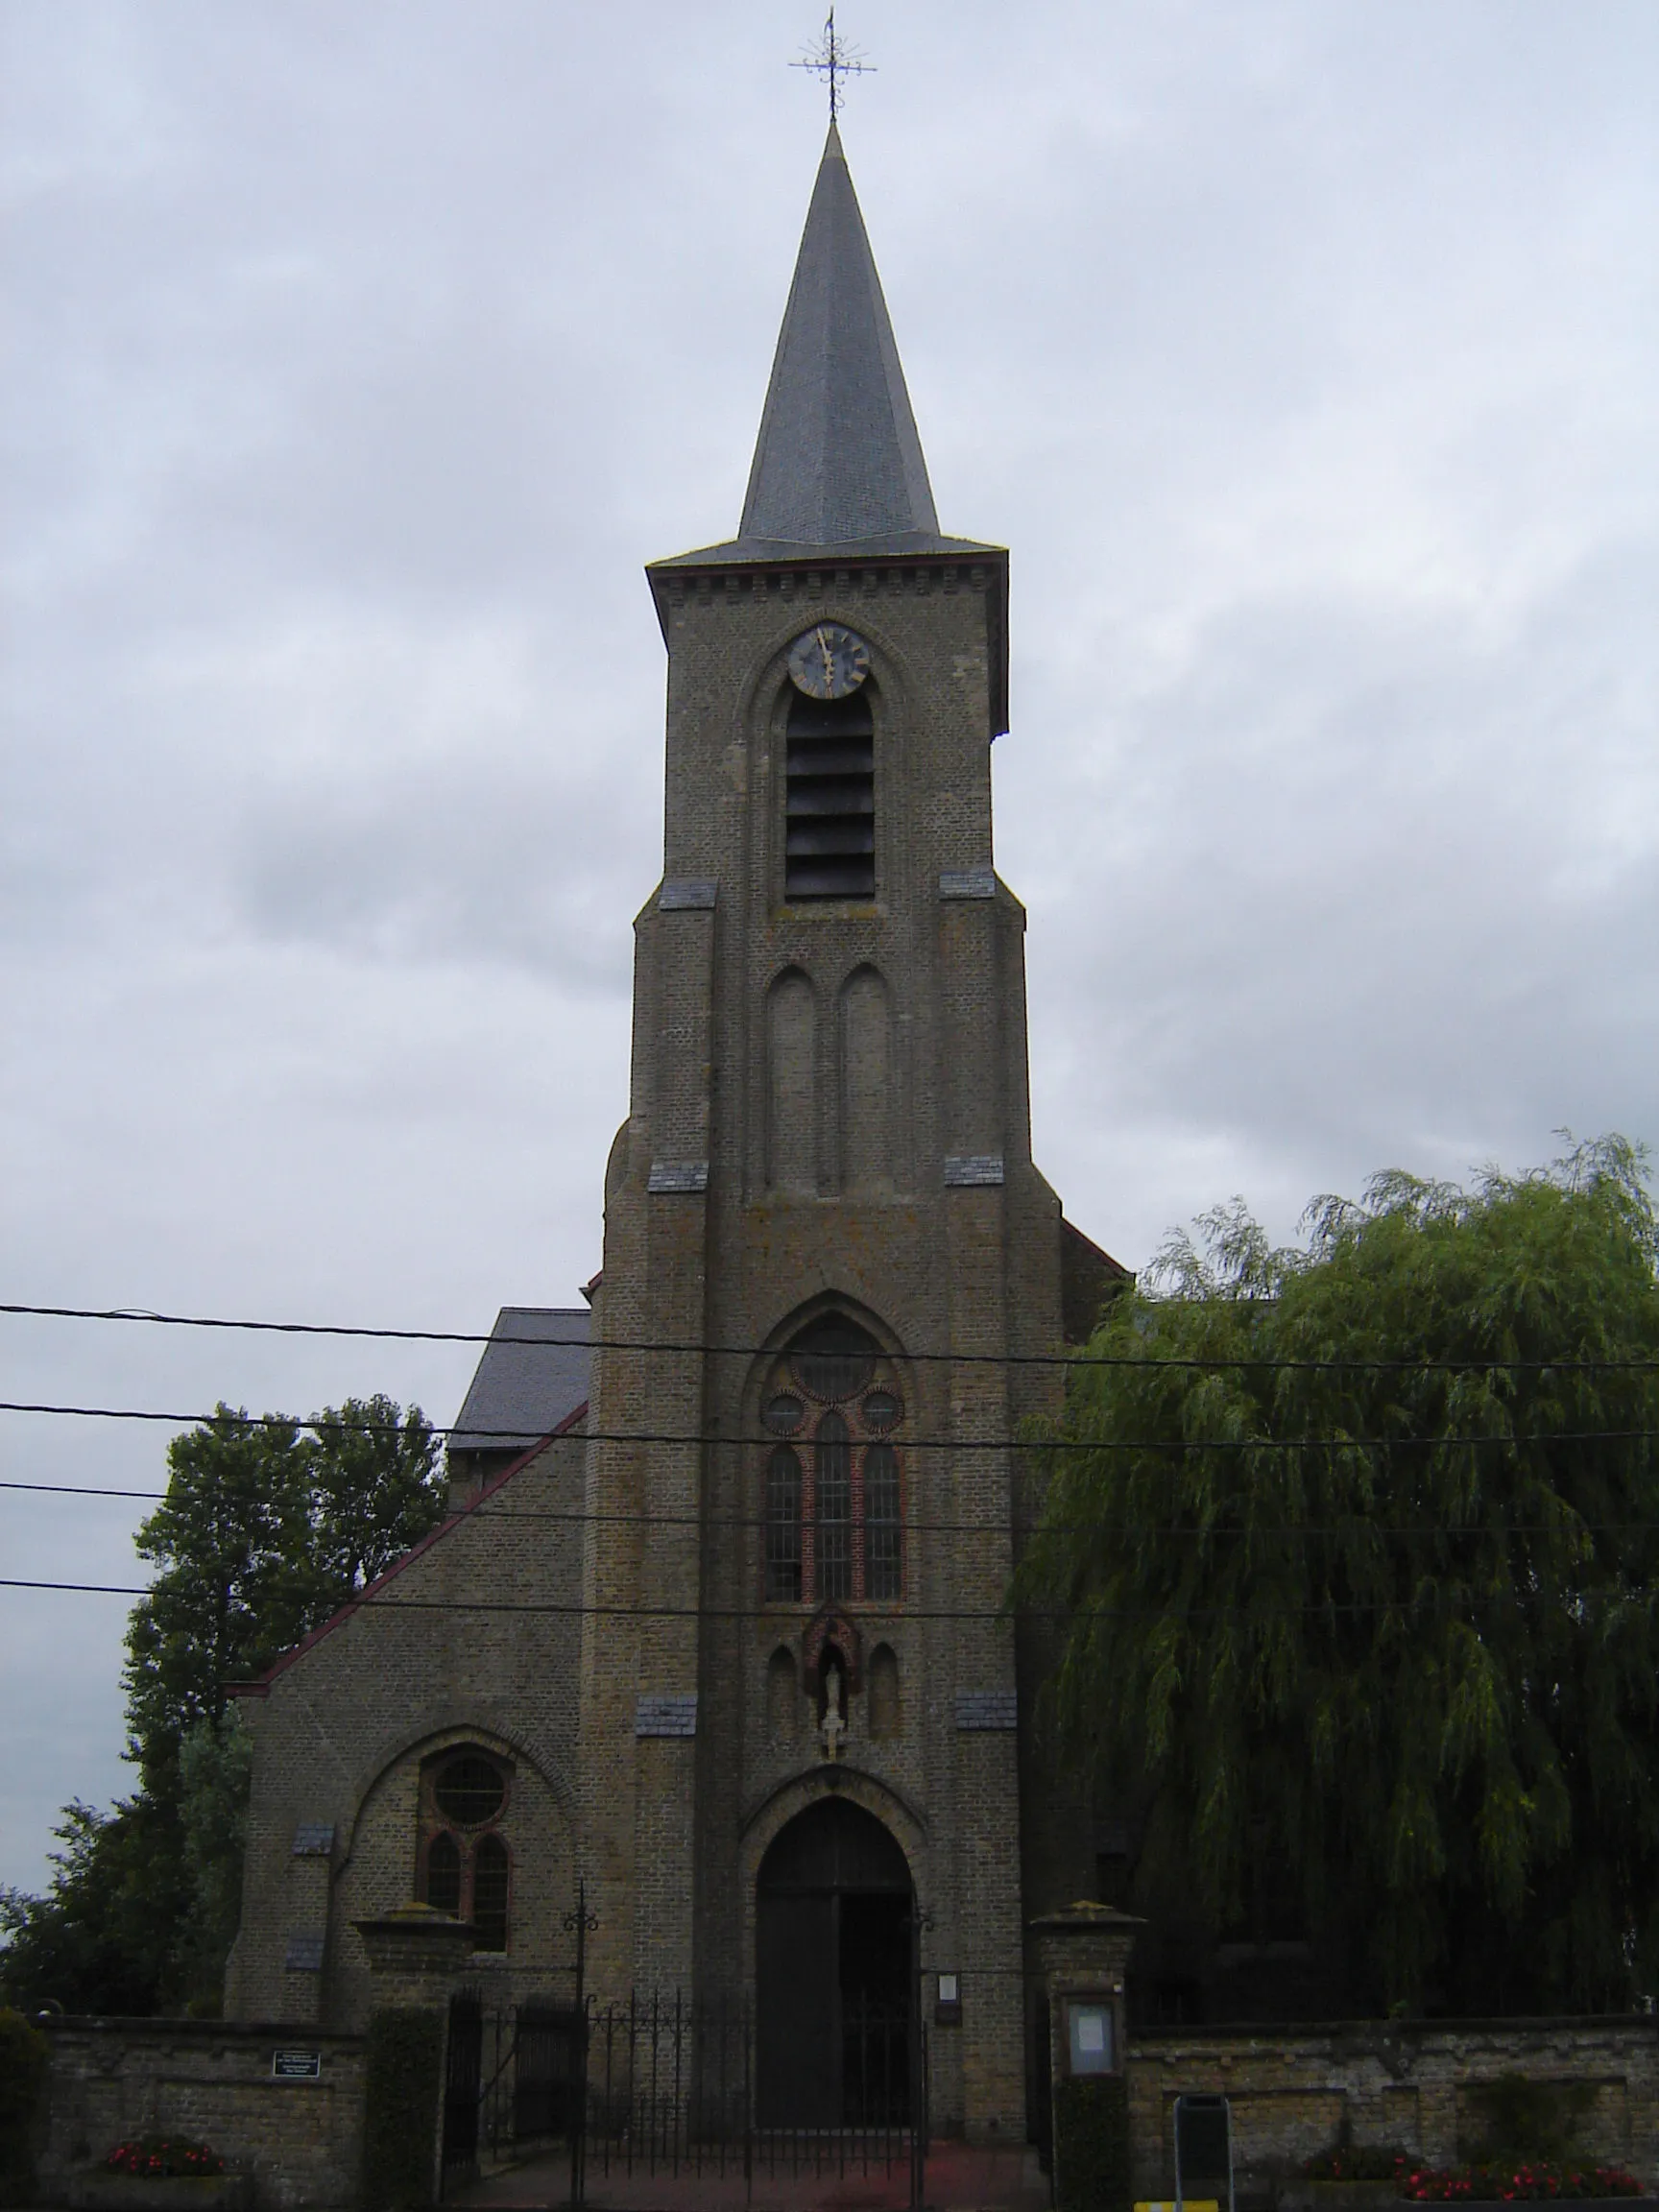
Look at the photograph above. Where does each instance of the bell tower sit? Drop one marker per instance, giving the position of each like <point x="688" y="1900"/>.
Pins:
<point x="827" y="1255"/>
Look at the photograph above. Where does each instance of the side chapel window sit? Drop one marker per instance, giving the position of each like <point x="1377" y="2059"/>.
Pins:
<point x="835" y="1526"/>
<point x="465" y="1864"/>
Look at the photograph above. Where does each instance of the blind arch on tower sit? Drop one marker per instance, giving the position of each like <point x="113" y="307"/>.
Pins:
<point x="791" y="1083"/>
<point x="865" y="1100"/>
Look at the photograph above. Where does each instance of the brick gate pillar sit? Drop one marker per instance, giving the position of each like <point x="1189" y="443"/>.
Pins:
<point x="1082" y="1954"/>
<point x="417" y="1956"/>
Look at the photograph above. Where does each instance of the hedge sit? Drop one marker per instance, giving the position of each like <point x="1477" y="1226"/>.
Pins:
<point x="23" y="2061"/>
<point x="1092" y="2144"/>
<point x="403" y="2064"/>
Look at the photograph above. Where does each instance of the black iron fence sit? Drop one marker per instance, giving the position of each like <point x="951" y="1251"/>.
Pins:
<point x="666" y="2086"/>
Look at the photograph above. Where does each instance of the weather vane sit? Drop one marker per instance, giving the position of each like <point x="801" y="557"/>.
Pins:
<point x="833" y="59"/>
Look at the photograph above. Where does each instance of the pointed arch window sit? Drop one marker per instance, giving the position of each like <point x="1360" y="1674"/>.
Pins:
<point x="465" y="1861"/>
<point x="833" y="1513"/>
<point x="884" y="1531"/>
<point x="832" y="1507"/>
<point x="491" y="1871"/>
<point x="783" y="1525"/>
<point x="444" y="1874"/>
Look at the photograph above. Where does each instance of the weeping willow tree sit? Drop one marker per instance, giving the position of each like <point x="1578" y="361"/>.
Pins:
<point x="1355" y="1550"/>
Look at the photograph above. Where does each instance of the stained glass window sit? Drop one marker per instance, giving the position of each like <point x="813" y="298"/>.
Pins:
<point x="882" y="1526"/>
<point x="783" y="1525"/>
<point x="443" y="1875"/>
<point x="490" y="1872"/>
<point x="832" y="1494"/>
<point x="832" y="1359"/>
<point x="471" y="1792"/>
<point x="833" y="1516"/>
<point x="784" y="1414"/>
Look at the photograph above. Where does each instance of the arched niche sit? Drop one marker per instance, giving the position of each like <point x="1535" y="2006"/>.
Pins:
<point x="791" y="1085"/>
<point x="884" y="1708"/>
<point x="783" y="1693"/>
<point x="866" y="1082"/>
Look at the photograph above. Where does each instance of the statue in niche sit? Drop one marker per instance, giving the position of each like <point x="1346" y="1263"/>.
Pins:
<point x="835" y="1725"/>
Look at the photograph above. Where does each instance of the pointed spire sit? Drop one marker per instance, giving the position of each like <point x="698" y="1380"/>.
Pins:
<point x="837" y="463"/>
<point x="838" y="459"/>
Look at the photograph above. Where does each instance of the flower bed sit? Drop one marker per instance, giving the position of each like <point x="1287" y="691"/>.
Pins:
<point x="163" y="2159"/>
<point x="1491" y="2182"/>
<point x="1513" y="2181"/>
<point x="1361" y="2163"/>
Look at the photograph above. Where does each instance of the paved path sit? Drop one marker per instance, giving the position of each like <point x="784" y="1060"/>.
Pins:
<point x="959" y="2179"/>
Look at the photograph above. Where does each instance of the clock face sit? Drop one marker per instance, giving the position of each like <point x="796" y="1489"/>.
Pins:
<point x="829" y="662"/>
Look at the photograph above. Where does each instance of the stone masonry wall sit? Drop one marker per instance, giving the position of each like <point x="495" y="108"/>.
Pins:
<point x="301" y="2141"/>
<point x="340" y="1732"/>
<point x="1391" y="2084"/>
<point x="746" y="1014"/>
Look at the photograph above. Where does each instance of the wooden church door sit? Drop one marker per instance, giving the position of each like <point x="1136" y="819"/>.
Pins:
<point x="833" y="1992"/>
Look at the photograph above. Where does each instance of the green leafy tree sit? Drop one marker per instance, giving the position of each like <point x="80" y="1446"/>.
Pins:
<point x="266" y="1529"/>
<point x="1357" y="1557"/>
<point x="215" y="1766"/>
<point x="235" y="1584"/>
<point x="103" y="1937"/>
<point x="374" y="1489"/>
<point x="24" y="2065"/>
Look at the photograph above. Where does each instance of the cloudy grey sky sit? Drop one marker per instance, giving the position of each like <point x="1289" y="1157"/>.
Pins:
<point x="1304" y="352"/>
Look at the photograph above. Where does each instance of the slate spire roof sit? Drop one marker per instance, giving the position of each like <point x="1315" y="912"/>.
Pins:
<point x="838" y="457"/>
<point x="838" y="462"/>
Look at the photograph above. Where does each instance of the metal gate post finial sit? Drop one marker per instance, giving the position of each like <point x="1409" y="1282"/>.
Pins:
<point x="581" y="1922"/>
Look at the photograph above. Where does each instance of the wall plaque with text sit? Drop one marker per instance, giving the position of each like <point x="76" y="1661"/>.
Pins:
<point x="297" y="2065"/>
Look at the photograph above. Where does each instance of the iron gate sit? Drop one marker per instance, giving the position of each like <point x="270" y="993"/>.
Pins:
<point x="665" y="2087"/>
<point x="670" y="2091"/>
<point x="463" y="2068"/>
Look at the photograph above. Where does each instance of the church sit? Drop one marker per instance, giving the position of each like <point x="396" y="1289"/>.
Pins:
<point x="714" y="1635"/>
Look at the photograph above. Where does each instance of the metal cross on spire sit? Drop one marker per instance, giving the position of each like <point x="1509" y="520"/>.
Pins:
<point x="833" y="59"/>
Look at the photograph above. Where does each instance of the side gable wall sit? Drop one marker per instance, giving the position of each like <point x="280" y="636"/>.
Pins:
<point x="340" y="1728"/>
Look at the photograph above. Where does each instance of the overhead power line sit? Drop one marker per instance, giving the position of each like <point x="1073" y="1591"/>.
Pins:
<point x="1570" y="1523"/>
<point x="771" y="1439"/>
<point x="573" y="1609"/>
<point x="701" y="1349"/>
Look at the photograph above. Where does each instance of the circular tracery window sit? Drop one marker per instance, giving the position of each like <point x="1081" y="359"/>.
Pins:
<point x="470" y="1791"/>
<point x="880" y="1409"/>
<point x="833" y="1359"/>
<point x="784" y="1414"/>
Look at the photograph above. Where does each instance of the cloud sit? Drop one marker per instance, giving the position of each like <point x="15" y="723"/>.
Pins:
<point x="360" y="357"/>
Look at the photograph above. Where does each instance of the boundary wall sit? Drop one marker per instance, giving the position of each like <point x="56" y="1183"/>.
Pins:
<point x="1393" y="2084"/>
<point x="298" y="2140"/>
<point x="1294" y="2091"/>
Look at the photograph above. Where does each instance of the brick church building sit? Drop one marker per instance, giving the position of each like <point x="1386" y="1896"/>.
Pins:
<point x="714" y="1628"/>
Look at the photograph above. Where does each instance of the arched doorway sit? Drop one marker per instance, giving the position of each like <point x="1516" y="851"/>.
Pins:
<point x="835" y="1981"/>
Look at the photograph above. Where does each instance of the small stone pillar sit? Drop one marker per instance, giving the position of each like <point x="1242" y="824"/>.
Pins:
<point x="415" y="1955"/>
<point x="1082" y="1954"/>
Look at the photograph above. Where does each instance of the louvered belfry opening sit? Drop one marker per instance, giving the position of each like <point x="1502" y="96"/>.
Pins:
<point x="830" y="843"/>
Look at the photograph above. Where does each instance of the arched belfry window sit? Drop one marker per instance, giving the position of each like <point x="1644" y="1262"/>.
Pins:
<point x="829" y="798"/>
<point x="465" y="1867"/>
<point x="833" y="1513"/>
